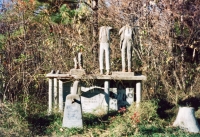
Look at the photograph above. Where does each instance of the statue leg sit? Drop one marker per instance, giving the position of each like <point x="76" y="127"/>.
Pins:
<point x="107" y="58"/>
<point x="123" y="52"/>
<point x="75" y="63"/>
<point x="129" y="55"/>
<point x="80" y="60"/>
<point x="101" y="57"/>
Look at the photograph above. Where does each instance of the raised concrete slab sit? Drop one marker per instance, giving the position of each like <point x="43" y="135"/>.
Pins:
<point x="77" y="72"/>
<point x="119" y="73"/>
<point x="59" y="76"/>
<point x="80" y="74"/>
<point x="99" y="99"/>
<point x="112" y="77"/>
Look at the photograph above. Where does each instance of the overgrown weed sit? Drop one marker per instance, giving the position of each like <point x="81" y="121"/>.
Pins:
<point x="133" y="121"/>
<point x="13" y="122"/>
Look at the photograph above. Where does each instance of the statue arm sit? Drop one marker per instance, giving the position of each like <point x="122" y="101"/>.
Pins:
<point x="121" y="30"/>
<point x="100" y="34"/>
<point x="108" y="32"/>
<point x="133" y="33"/>
<point x="122" y="37"/>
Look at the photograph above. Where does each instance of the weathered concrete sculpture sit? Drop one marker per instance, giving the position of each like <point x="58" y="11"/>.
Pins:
<point x="78" y="59"/>
<point x="104" y="38"/>
<point x="126" y="42"/>
<point x="186" y="120"/>
<point x="78" y="63"/>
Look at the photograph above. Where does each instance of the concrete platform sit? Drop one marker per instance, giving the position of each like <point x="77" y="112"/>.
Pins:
<point x="113" y="76"/>
<point x="77" y="72"/>
<point x="132" y="81"/>
<point x="123" y="73"/>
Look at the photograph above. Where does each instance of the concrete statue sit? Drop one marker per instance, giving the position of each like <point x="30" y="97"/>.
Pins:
<point x="104" y="38"/>
<point x="78" y="59"/>
<point x="126" y="43"/>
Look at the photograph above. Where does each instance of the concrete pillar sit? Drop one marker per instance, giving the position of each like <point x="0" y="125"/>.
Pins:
<point x="50" y="95"/>
<point x="107" y="94"/>
<point x="60" y="96"/>
<point x="55" y="89"/>
<point x="138" y="93"/>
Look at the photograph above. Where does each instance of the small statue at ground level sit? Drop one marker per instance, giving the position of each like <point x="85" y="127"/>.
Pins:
<point x="126" y="43"/>
<point x="104" y="38"/>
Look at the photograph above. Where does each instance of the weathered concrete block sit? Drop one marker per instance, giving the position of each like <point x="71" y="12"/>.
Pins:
<point x="72" y="113"/>
<point x="119" y="73"/>
<point x="186" y="120"/>
<point x="77" y="72"/>
<point x="93" y="101"/>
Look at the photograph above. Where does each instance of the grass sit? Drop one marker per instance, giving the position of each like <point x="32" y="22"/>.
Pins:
<point x="132" y="121"/>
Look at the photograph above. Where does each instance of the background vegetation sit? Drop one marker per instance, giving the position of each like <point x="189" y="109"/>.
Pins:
<point x="38" y="36"/>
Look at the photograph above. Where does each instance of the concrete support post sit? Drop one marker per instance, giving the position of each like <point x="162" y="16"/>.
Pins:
<point x="60" y="96"/>
<point x="107" y="94"/>
<point x="50" y="95"/>
<point x="138" y="93"/>
<point x="55" y="90"/>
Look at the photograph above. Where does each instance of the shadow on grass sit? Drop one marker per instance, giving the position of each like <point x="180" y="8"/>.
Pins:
<point x="150" y="130"/>
<point x="41" y="124"/>
<point x="38" y="124"/>
<point x="90" y="120"/>
<point x="164" y="110"/>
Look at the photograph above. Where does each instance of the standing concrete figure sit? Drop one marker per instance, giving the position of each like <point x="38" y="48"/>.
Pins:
<point x="104" y="38"/>
<point x="126" y="42"/>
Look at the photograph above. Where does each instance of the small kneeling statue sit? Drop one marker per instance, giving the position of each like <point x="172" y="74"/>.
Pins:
<point x="78" y="59"/>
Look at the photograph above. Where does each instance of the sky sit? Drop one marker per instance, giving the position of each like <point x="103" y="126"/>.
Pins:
<point x="3" y="2"/>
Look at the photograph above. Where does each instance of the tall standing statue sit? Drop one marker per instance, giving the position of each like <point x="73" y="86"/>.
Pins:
<point x="126" y="43"/>
<point x="104" y="38"/>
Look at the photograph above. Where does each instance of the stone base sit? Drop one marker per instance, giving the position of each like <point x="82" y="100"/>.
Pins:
<point x="186" y="120"/>
<point x="119" y="73"/>
<point x="77" y="72"/>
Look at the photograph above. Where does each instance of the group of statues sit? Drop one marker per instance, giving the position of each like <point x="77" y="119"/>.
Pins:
<point x="126" y="43"/>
